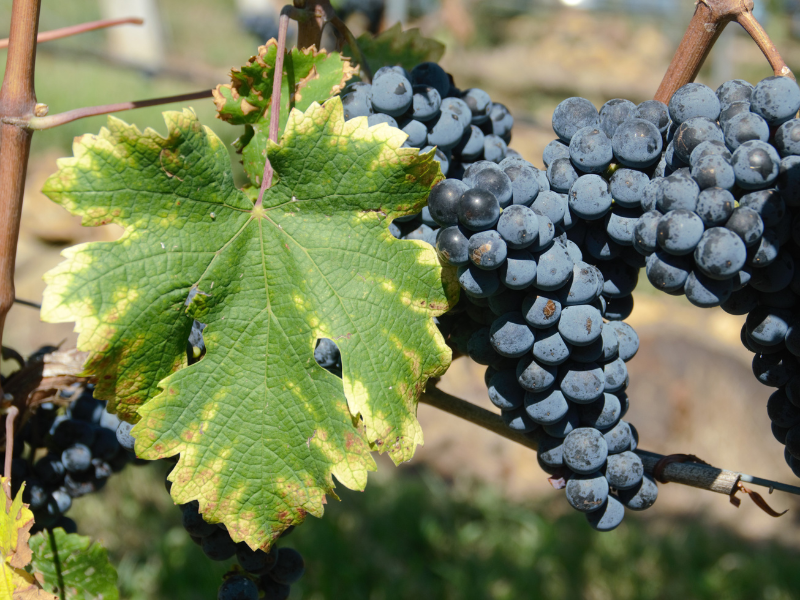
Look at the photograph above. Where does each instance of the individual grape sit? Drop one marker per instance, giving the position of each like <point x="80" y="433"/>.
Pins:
<point x="550" y="450"/>
<point x="710" y="148"/>
<point x="628" y="340"/>
<point x="602" y="413"/>
<point x="608" y="517"/>
<point x="616" y="375"/>
<point x="667" y="272"/>
<point x="471" y="145"/>
<point x="692" y="133"/>
<point x="553" y="150"/>
<point x="679" y="232"/>
<point x="737" y="108"/>
<point x="619" y="279"/>
<point x="72" y="431"/>
<point x="789" y="180"/>
<point x="590" y="150"/>
<point x="480" y="349"/>
<point x="446" y="132"/>
<point x="50" y="469"/>
<point x="654" y="111"/>
<point x="735" y="90"/>
<point x="518" y="226"/>
<point x="705" y="292"/>
<point x="518" y="420"/>
<point x="573" y="114"/>
<point x="289" y="566"/>
<point x="59" y="502"/>
<point x="652" y="194"/>
<point x="504" y="391"/>
<point x="641" y="496"/>
<point x="715" y="206"/>
<point x="756" y="165"/>
<point x="124" y="436"/>
<point x="550" y="348"/>
<point x="562" y="175"/>
<point x="627" y="187"/>
<point x="776" y="99"/>
<point x="543" y="310"/>
<point x="744" y="127"/>
<point x="459" y="108"/>
<point x="554" y="268"/>
<point x="417" y="133"/>
<point x="747" y="224"/>
<point x="637" y="143"/>
<point x="587" y="493"/>
<point x="453" y="246"/>
<point x="497" y="183"/>
<point x="588" y="354"/>
<point x="534" y="377"/>
<point x="781" y="411"/>
<point x="35" y="494"/>
<point x="77" y="458"/>
<point x="193" y="521"/>
<point x="274" y="590"/>
<point x="589" y="197"/>
<point x="582" y="383"/>
<point x="618" y="438"/>
<point x="477" y="282"/>
<point x="618" y="309"/>
<point x="382" y="118"/>
<point x="425" y="103"/>
<point x="768" y="326"/>
<point x="774" y="277"/>
<point x="585" y="450"/>
<point x="487" y="250"/>
<point x="501" y="121"/>
<point x="238" y="587"/>
<point x="768" y="204"/>
<point x="564" y="426"/>
<point x="326" y="354"/>
<point x="583" y="287"/>
<point x="775" y="370"/>
<point x="444" y="199"/>
<point x="552" y="205"/>
<point x="547" y="233"/>
<point x="479" y="103"/>
<point x="440" y="157"/>
<point x="599" y="245"/>
<point x="713" y="171"/>
<point x="720" y="254"/>
<point x="511" y="336"/>
<point x="431" y="74"/>
<point x="546" y="408"/>
<point x="524" y="183"/>
<point x="694" y="100"/>
<point x="787" y="138"/>
<point x="678" y="191"/>
<point x="672" y="161"/>
<point x="613" y="113"/>
<point x="580" y="325"/>
<point x="478" y="210"/>
<point x="624" y="471"/>
<point x="358" y="102"/>
<point x="645" y="239"/>
<point x="519" y="270"/>
<point x="765" y="252"/>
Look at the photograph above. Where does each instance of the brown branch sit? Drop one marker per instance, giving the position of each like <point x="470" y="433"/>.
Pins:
<point x="17" y="99"/>
<point x="11" y="414"/>
<point x="694" y="474"/>
<point x="57" y="34"/>
<point x="709" y="19"/>
<point x="275" y="105"/>
<point x="760" y="37"/>
<point x="50" y="121"/>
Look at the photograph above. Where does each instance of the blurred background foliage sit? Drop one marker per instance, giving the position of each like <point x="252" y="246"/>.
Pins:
<point x="472" y="517"/>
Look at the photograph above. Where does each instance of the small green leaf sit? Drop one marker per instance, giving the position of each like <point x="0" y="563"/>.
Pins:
<point x="309" y="76"/>
<point x="397" y="47"/>
<point x="85" y="570"/>
<point x="261" y="429"/>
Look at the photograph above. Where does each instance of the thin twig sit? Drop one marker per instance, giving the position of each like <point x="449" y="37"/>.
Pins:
<point x="751" y="25"/>
<point x="27" y="303"/>
<point x="694" y="474"/>
<point x="57" y="34"/>
<point x="36" y="123"/>
<point x="341" y="27"/>
<point x="275" y="105"/>
<point x="62" y="593"/>
<point x="11" y="414"/>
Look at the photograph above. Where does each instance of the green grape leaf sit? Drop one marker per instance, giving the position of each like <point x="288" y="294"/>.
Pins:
<point x="309" y="76"/>
<point x="85" y="570"/>
<point x="397" y="47"/>
<point x="260" y="427"/>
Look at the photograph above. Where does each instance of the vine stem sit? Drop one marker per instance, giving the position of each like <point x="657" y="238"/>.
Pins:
<point x="709" y="19"/>
<point x="50" y="121"/>
<point x="62" y="593"/>
<point x="17" y="99"/>
<point x="275" y="104"/>
<point x="694" y="474"/>
<point x="57" y="34"/>
<point x="11" y="414"/>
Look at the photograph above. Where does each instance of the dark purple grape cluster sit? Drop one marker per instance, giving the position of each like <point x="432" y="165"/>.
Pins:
<point x="266" y="575"/>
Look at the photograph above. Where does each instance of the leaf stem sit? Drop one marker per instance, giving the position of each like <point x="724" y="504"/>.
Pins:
<point x="693" y="474"/>
<point x="751" y="25"/>
<point x="57" y="34"/>
<point x="11" y="414"/>
<point x="62" y="594"/>
<point x="50" y="121"/>
<point x="275" y="104"/>
<point x="344" y="30"/>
